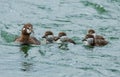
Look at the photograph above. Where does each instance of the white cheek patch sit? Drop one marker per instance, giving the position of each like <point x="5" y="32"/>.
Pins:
<point x="86" y="42"/>
<point x="64" y="38"/>
<point x="50" y="36"/>
<point x="58" y="41"/>
<point x="28" y="31"/>
<point x="90" y="40"/>
<point x="23" y="28"/>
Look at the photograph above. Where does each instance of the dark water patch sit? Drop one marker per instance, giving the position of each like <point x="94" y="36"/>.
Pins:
<point x="117" y="64"/>
<point x="51" y="25"/>
<point x="114" y="70"/>
<point x="62" y="20"/>
<point x="78" y="16"/>
<point x="114" y="0"/>
<point x="26" y="66"/>
<point x="104" y="17"/>
<point x="56" y="25"/>
<point x="85" y="68"/>
<point x="114" y="38"/>
<point x="8" y="37"/>
<point x="75" y="16"/>
<point x="63" y="46"/>
<point x="42" y="52"/>
<point x="99" y="8"/>
<point x="97" y="65"/>
<point x="25" y="49"/>
<point x="106" y="56"/>
<point x="68" y="30"/>
<point x="44" y="7"/>
<point x="88" y="47"/>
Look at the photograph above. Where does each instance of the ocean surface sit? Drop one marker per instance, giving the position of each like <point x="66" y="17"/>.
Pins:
<point x="74" y="17"/>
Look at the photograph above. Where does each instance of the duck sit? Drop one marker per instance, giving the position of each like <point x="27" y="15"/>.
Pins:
<point x="92" y="32"/>
<point x="25" y="38"/>
<point x="49" y="37"/>
<point x="91" y="39"/>
<point x="62" y="38"/>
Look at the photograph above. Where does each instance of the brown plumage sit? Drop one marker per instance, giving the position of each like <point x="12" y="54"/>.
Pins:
<point x="94" y="40"/>
<point x="25" y="37"/>
<point x="63" y="38"/>
<point x="49" y="37"/>
<point x="91" y="31"/>
<point x="47" y="33"/>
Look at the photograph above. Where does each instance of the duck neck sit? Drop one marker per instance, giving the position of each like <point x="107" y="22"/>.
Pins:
<point x="25" y="37"/>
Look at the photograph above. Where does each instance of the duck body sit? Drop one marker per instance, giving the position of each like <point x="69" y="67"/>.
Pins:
<point x="25" y="37"/>
<point x="91" y="39"/>
<point x="49" y="37"/>
<point x="62" y="38"/>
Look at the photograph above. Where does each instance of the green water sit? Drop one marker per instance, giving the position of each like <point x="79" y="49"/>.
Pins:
<point x="74" y="17"/>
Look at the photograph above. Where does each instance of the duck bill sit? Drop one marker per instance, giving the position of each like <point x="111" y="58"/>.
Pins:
<point x="84" y="40"/>
<point x="44" y="36"/>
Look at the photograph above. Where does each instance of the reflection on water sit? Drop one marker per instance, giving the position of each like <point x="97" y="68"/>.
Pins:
<point x="25" y="49"/>
<point x="26" y="63"/>
<point x="63" y="46"/>
<point x="26" y="66"/>
<point x="90" y="48"/>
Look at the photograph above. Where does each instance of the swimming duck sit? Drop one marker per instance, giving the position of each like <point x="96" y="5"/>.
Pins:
<point x="91" y="39"/>
<point x="25" y="37"/>
<point x="49" y="37"/>
<point x="92" y="32"/>
<point x="62" y="38"/>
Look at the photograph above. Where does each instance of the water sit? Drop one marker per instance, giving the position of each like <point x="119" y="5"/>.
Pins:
<point x="74" y="17"/>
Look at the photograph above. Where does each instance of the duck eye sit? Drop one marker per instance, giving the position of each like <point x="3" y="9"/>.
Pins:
<point x="29" y="28"/>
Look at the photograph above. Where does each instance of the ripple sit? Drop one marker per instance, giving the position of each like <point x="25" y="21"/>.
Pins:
<point x="99" y="8"/>
<point x="114" y="70"/>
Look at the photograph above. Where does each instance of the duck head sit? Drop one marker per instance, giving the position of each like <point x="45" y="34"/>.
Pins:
<point x="62" y="38"/>
<point x="27" y="29"/>
<point x="49" y="37"/>
<point x="91" y="31"/>
<point x="89" y="40"/>
<point x="62" y="34"/>
<point x="48" y="34"/>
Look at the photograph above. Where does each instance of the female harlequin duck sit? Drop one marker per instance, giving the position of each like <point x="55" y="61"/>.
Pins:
<point x="25" y="37"/>
<point x="62" y="38"/>
<point x="91" y="39"/>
